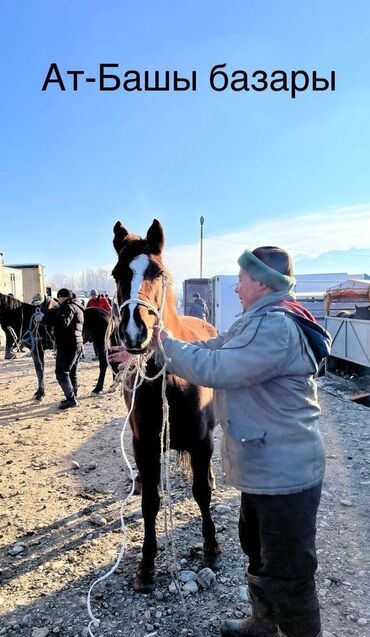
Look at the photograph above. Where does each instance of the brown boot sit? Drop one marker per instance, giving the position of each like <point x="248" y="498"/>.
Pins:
<point x="260" y="624"/>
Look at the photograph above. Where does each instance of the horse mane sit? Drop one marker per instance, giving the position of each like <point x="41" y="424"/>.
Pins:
<point x="188" y="328"/>
<point x="9" y="302"/>
<point x="170" y="293"/>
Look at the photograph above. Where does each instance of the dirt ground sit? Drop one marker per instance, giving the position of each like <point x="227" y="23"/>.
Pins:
<point x="61" y="485"/>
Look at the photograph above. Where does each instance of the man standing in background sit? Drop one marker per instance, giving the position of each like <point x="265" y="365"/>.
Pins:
<point x="67" y="321"/>
<point x="198" y="307"/>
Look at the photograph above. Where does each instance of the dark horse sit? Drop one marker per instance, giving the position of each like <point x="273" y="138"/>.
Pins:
<point x="139" y="275"/>
<point x="100" y="329"/>
<point x="16" y="318"/>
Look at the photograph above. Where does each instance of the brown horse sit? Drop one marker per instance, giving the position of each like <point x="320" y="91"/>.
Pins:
<point x="139" y="275"/>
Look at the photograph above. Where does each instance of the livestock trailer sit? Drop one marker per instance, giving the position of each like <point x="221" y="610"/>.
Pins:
<point x="351" y="339"/>
<point x="351" y="334"/>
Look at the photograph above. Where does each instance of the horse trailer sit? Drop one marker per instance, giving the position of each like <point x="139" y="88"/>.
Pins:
<point x="351" y="339"/>
<point x="219" y="294"/>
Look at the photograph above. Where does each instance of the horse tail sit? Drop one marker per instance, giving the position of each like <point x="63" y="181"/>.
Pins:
<point x="112" y="336"/>
<point x="183" y="462"/>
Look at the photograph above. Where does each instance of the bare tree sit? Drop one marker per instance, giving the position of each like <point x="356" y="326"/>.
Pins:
<point x="100" y="279"/>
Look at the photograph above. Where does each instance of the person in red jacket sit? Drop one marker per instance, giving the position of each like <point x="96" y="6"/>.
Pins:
<point x="98" y="300"/>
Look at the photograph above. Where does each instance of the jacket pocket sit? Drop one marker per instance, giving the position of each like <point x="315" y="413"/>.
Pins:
<point x="246" y="435"/>
<point x="245" y="453"/>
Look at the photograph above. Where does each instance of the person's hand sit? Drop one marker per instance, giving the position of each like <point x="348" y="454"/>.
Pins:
<point x="118" y="354"/>
<point x="159" y="334"/>
<point x="123" y="366"/>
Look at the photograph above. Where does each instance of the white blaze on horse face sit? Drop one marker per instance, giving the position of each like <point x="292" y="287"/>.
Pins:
<point x="138" y="267"/>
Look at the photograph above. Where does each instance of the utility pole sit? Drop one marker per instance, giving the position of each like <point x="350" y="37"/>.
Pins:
<point x="201" y="246"/>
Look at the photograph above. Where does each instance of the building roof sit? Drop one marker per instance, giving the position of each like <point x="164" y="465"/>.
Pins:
<point x="23" y="265"/>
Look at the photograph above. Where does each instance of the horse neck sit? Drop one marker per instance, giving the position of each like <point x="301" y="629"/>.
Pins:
<point x="12" y="317"/>
<point x="28" y="310"/>
<point x="8" y="303"/>
<point x="51" y="304"/>
<point x="170" y="317"/>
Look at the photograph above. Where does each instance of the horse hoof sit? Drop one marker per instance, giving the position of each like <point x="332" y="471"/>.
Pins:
<point x="214" y="562"/>
<point x="95" y="392"/>
<point x="143" y="586"/>
<point x="144" y="583"/>
<point x="38" y="397"/>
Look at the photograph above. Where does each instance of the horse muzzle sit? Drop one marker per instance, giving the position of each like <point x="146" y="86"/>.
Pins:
<point x="137" y="343"/>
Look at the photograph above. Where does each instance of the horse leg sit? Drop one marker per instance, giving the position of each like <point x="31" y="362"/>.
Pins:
<point x="201" y="465"/>
<point x="115" y="370"/>
<point x="137" y="485"/>
<point x="9" y="343"/>
<point x="73" y="372"/>
<point x="100" y="350"/>
<point x="212" y="477"/>
<point x="38" y="361"/>
<point x="148" y="464"/>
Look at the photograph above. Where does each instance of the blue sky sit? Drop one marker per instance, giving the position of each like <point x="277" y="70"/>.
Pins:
<point x="256" y="165"/>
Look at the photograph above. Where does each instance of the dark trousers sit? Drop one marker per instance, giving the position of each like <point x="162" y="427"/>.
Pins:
<point x="277" y="532"/>
<point x="66" y="369"/>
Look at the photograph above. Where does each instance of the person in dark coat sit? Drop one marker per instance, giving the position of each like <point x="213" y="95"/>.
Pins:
<point x="67" y="321"/>
<point x="198" y="307"/>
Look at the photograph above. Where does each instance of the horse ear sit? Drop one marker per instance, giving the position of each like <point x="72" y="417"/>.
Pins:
<point x="120" y="234"/>
<point x="155" y="238"/>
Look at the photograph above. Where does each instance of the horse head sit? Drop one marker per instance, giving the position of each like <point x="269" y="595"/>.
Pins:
<point x="48" y="303"/>
<point x="139" y="275"/>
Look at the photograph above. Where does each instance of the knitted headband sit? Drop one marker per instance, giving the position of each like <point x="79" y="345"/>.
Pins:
<point x="262" y="272"/>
